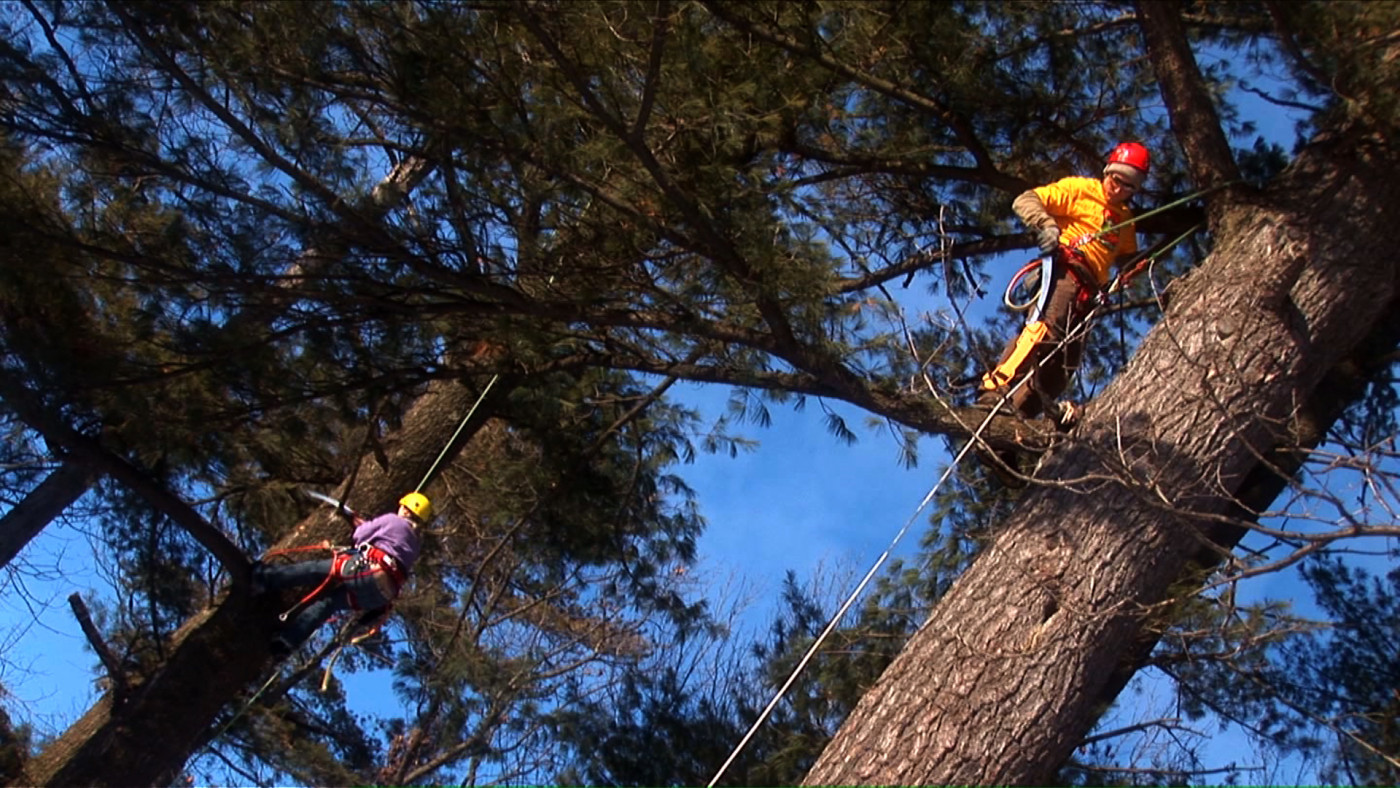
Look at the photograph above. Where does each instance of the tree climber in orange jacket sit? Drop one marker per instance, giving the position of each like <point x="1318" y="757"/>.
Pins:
<point x="1073" y="219"/>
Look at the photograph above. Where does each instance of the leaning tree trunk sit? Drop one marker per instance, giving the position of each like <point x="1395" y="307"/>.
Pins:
<point x="144" y="735"/>
<point x="1008" y="674"/>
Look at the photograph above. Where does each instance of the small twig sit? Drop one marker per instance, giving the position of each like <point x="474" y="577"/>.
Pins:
<point x="99" y="645"/>
<point x="1165" y="771"/>
<point x="1164" y="722"/>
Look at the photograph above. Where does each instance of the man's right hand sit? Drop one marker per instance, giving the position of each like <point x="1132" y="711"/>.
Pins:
<point x="1048" y="239"/>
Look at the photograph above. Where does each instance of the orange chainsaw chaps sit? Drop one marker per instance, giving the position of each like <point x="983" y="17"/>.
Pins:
<point x="1030" y="336"/>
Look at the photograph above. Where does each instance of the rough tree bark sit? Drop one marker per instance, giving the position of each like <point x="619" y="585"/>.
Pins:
<point x="1014" y="664"/>
<point x="145" y="736"/>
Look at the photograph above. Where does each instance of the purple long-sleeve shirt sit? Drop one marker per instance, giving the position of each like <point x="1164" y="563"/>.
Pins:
<point x="392" y="534"/>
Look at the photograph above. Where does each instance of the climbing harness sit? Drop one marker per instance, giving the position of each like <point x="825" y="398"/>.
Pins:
<point x="1044" y="268"/>
<point x="355" y="563"/>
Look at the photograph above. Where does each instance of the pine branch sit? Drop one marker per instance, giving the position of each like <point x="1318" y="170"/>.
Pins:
<point x="59" y="433"/>
<point x="1193" y="114"/>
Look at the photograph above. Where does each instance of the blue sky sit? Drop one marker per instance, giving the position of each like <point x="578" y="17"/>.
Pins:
<point x="44" y="665"/>
<point x="804" y="499"/>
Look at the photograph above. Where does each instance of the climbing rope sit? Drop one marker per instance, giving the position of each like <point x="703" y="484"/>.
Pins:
<point x="433" y="470"/>
<point x="369" y="622"/>
<point x="1120" y="281"/>
<point x="850" y="600"/>
<point x="244" y="709"/>
<point x="974" y="440"/>
<point x="1167" y="207"/>
<point x="343" y="638"/>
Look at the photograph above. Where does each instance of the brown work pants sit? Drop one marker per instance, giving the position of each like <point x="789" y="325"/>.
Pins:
<point x="1042" y="347"/>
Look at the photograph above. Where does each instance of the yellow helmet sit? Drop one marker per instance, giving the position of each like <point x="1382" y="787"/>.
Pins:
<point x="419" y="504"/>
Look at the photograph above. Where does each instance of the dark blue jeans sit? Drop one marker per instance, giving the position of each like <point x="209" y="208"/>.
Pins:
<point x="358" y="585"/>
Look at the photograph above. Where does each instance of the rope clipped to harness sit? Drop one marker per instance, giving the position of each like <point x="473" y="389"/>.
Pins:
<point x="1041" y="284"/>
<point x="1038" y="265"/>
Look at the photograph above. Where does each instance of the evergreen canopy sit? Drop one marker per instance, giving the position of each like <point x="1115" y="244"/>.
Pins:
<point x="256" y="247"/>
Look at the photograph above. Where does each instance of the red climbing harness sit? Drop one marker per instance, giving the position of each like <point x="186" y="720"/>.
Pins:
<point x="1078" y="269"/>
<point x="387" y="562"/>
<point x="354" y="563"/>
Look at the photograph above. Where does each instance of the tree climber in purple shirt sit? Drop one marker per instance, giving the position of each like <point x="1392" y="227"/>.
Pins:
<point x="367" y="576"/>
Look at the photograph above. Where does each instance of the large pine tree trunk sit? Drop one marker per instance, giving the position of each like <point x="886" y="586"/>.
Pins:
<point x="145" y="736"/>
<point x="1010" y="670"/>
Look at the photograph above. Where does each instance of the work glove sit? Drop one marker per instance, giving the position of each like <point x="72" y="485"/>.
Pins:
<point x="1049" y="239"/>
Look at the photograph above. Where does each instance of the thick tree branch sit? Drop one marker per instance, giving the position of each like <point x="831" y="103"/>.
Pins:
<point x="1194" y="119"/>
<point x="90" y="451"/>
<point x="55" y="493"/>
<point x="917" y="411"/>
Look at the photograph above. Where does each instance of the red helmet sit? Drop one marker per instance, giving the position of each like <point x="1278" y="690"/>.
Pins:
<point x="1131" y="154"/>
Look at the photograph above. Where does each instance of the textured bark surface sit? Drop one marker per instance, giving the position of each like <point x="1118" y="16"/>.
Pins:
<point x="1009" y="672"/>
<point x="145" y="736"/>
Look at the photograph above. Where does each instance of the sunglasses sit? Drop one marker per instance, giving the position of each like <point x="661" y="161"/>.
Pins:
<point x="1123" y="183"/>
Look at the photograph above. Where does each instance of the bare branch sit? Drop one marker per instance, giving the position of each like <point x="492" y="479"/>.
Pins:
<point x="99" y="646"/>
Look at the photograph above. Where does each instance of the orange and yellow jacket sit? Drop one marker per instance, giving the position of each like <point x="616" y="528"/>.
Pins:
<point x="1079" y="207"/>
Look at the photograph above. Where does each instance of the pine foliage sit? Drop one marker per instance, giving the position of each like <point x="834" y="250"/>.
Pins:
<point x="244" y="243"/>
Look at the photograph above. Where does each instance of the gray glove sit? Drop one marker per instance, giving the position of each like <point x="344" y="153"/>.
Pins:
<point x="1032" y="211"/>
